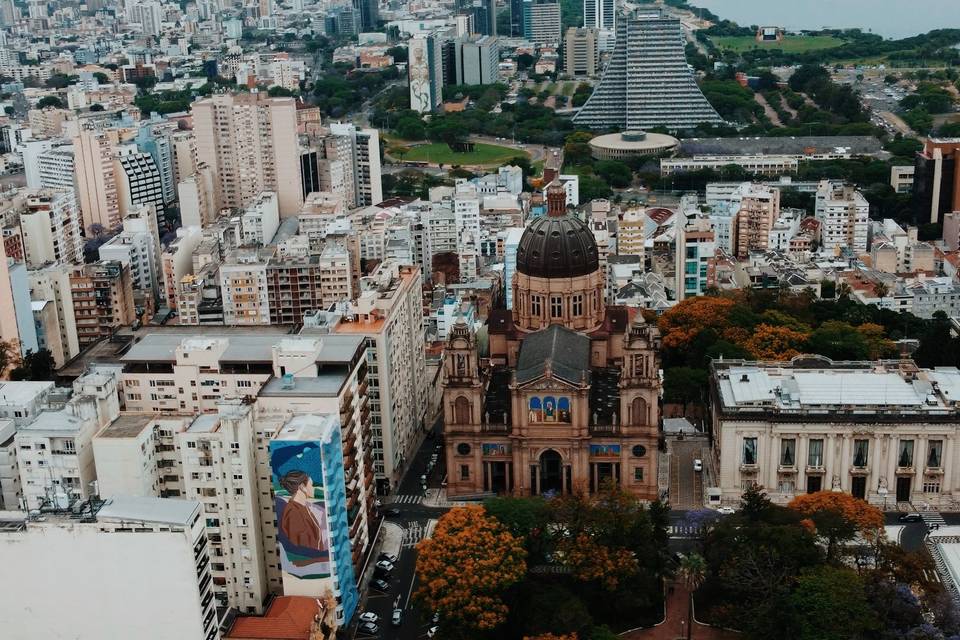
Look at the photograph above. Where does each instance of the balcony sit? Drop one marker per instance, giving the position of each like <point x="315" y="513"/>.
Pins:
<point x="859" y="471"/>
<point x="933" y="471"/>
<point x="605" y="429"/>
<point x="785" y="468"/>
<point x="495" y="427"/>
<point x="749" y="467"/>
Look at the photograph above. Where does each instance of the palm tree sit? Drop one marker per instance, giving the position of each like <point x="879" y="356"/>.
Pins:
<point x="843" y="290"/>
<point x="693" y="572"/>
<point x="881" y="290"/>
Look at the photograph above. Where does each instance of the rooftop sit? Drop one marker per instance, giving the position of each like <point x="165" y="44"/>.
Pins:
<point x="795" y="145"/>
<point x="145" y="509"/>
<point x="126" y="426"/>
<point x="288" y="618"/>
<point x="21" y="392"/>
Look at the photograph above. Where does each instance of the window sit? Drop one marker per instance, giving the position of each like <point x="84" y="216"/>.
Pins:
<point x="578" y="305"/>
<point x="749" y="451"/>
<point x="535" y="305"/>
<point x="556" y="307"/>
<point x="815" y="453"/>
<point x="638" y="474"/>
<point x="788" y="452"/>
<point x="934" y="454"/>
<point x="932" y="486"/>
<point x="464" y="472"/>
<point x="905" y="457"/>
<point x="861" y="453"/>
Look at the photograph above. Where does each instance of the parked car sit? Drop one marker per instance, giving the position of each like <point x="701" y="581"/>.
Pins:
<point x="385" y="565"/>
<point x="911" y="517"/>
<point x="369" y="627"/>
<point x="369" y="616"/>
<point x="727" y="511"/>
<point x="380" y="585"/>
<point x="432" y="631"/>
<point x="436" y="617"/>
<point x="678" y="557"/>
<point x="698" y="465"/>
<point x="389" y="557"/>
<point x="397" y="618"/>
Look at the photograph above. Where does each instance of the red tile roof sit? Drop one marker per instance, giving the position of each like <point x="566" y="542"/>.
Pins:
<point x="288" y="618"/>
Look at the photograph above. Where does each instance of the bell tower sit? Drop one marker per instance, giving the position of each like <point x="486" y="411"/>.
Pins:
<point x="462" y="384"/>
<point x="640" y="377"/>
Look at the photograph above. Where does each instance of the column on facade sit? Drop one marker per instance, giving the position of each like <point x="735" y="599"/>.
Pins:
<point x="771" y="480"/>
<point x="829" y="456"/>
<point x="846" y="463"/>
<point x="919" y="463"/>
<point x="948" y="463"/>
<point x="800" y="483"/>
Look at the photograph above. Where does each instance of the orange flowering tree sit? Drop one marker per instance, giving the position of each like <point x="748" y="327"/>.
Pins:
<point x="839" y="517"/>
<point x="466" y="566"/>
<point x="769" y="342"/>
<point x="684" y="321"/>
<point x="590" y="561"/>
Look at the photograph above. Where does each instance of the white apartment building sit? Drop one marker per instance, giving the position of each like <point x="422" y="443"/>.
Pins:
<point x="101" y="559"/>
<point x="54" y="449"/>
<point x="50" y="226"/>
<point x="631" y="233"/>
<point x="176" y="261"/>
<point x="844" y="216"/>
<point x="389" y="314"/>
<point x="52" y="282"/>
<point x="364" y="145"/>
<point x="261" y="219"/>
<point x="243" y="283"/>
<point x="138" y="246"/>
<point x="55" y="168"/>
<point x="886" y="432"/>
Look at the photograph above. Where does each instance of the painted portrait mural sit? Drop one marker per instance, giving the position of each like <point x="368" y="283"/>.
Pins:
<point x="549" y="409"/>
<point x="303" y="532"/>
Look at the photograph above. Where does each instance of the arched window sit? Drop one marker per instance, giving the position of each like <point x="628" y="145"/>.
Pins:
<point x="638" y="412"/>
<point x="462" y="410"/>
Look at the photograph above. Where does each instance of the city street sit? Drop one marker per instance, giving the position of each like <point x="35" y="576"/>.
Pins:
<point x="414" y="518"/>
<point x="686" y="485"/>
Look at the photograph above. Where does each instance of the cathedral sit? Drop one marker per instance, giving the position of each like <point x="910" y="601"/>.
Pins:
<point x="561" y="393"/>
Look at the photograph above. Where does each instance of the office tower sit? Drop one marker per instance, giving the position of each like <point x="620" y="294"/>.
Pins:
<point x="600" y="14"/>
<point x="388" y="313"/>
<point x="326" y="173"/>
<point x="307" y="478"/>
<point x="156" y="137"/>
<point x="477" y="59"/>
<point x="510" y="245"/>
<point x="361" y="148"/>
<point x="101" y="555"/>
<point x="52" y="283"/>
<point x="484" y="14"/>
<point x="936" y="181"/>
<point x="343" y="20"/>
<point x="50" y="226"/>
<point x="139" y="183"/>
<point x="102" y="299"/>
<point x="138" y="246"/>
<point x="249" y="143"/>
<point x="759" y="209"/>
<point x="96" y="180"/>
<point x="150" y="16"/>
<point x="580" y="52"/>
<point x="844" y="215"/>
<point x="647" y="82"/>
<point x="516" y="18"/>
<point x="368" y="12"/>
<point x="541" y="23"/>
<point x="425" y="71"/>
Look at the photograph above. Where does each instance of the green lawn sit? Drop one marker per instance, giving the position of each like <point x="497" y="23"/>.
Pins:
<point x="789" y="44"/>
<point x="440" y="153"/>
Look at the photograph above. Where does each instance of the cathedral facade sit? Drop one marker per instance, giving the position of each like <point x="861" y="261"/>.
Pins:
<point x="561" y="394"/>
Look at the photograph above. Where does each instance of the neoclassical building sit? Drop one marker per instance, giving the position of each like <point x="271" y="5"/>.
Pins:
<point x="561" y="393"/>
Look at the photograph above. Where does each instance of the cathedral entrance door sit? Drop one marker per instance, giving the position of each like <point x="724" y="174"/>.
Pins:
<point x="551" y="472"/>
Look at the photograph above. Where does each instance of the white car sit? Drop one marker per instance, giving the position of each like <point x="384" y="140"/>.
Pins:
<point x="698" y="465"/>
<point x="385" y="565"/>
<point x="432" y="631"/>
<point x="727" y="511"/>
<point x="369" y="616"/>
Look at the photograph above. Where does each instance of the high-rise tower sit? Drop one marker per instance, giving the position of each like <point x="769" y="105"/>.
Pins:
<point x="647" y="82"/>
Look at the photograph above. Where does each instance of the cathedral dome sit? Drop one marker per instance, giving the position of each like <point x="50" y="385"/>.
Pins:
<point x="557" y="247"/>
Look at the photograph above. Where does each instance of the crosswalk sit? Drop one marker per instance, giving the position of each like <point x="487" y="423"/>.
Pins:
<point x="413" y="534"/>
<point x="407" y="500"/>
<point x="933" y="519"/>
<point x="684" y="531"/>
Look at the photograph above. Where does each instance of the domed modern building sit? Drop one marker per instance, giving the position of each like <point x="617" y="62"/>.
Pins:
<point x="562" y="396"/>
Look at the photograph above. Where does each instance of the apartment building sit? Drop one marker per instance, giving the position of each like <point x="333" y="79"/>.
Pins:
<point x="49" y="226"/>
<point x="631" y="233"/>
<point x="296" y="286"/>
<point x="55" y="168"/>
<point x="140" y="183"/>
<point x="248" y="141"/>
<point x="844" y="216"/>
<point x="580" y="52"/>
<point x="260" y="219"/>
<point x="102" y="295"/>
<point x="364" y="153"/>
<point x="125" y="539"/>
<point x="52" y="283"/>
<point x="389" y="314"/>
<point x="177" y="261"/>
<point x="476" y="59"/>
<point x="96" y="179"/>
<point x="541" y="21"/>
<point x="243" y="284"/>
<point x="138" y="246"/>
<point x="759" y="208"/>
<point x="54" y="450"/>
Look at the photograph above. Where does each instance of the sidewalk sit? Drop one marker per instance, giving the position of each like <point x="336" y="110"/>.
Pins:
<point x="675" y="625"/>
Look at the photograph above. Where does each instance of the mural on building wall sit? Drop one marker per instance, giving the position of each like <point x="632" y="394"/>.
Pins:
<point x="605" y="450"/>
<point x="549" y="409"/>
<point x="496" y="448"/>
<point x="302" y="528"/>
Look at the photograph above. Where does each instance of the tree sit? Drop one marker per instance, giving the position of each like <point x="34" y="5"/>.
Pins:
<point x="101" y="77"/>
<point x="576" y="148"/>
<point x="615" y="173"/>
<point x="526" y="518"/>
<point x="50" y="101"/>
<point x="38" y="366"/>
<point x="829" y="602"/>
<point x="769" y="342"/>
<point x="684" y="385"/>
<point x="693" y="571"/>
<point x="9" y="355"/>
<point x="838" y="517"/>
<point x="465" y="567"/>
<point x="839" y="341"/>
<point x="96" y="107"/>
<point x="879" y="345"/>
<point x="682" y="322"/>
